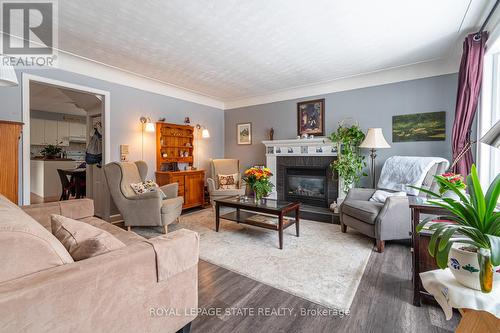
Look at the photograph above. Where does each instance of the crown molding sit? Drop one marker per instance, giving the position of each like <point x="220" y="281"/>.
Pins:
<point x="414" y="71"/>
<point x="88" y="67"/>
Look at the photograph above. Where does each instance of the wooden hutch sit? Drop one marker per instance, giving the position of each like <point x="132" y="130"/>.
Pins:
<point x="174" y="162"/>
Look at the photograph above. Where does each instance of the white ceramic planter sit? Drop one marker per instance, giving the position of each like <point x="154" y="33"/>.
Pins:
<point x="465" y="267"/>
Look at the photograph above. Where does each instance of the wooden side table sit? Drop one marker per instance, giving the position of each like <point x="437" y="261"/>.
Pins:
<point x="477" y="321"/>
<point x="421" y="259"/>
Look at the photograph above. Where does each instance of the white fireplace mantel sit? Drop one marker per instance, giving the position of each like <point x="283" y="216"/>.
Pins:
<point x="296" y="147"/>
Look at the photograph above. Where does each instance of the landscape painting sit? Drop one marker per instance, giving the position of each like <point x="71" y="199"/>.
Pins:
<point x="429" y="126"/>
<point x="244" y="133"/>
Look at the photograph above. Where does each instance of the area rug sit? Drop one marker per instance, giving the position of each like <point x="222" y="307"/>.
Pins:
<point x="323" y="265"/>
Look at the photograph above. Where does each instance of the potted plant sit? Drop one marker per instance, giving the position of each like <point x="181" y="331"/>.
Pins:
<point x="51" y="151"/>
<point x="457" y="180"/>
<point x="349" y="163"/>
<point x="259" y="181"/>
<point x="474" y="253"/>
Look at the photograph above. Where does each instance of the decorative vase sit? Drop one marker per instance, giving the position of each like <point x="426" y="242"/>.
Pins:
<point x="471" y="269"/>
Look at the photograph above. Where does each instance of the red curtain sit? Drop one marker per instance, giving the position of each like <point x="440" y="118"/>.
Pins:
<point x="469" y="87"/>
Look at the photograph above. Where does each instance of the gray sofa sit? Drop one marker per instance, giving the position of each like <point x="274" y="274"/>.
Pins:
<point x="382" y="221"/>
<point x="147" y="209"/>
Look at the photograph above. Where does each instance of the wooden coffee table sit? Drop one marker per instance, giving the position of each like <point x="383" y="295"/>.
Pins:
<point x="247" y="212"/>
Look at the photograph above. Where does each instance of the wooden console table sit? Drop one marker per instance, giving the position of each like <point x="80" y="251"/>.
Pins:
<point x="421" y="259"/>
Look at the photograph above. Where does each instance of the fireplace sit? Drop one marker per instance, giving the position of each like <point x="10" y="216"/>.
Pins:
<point x="307" y="179"/>
<point x="307" y="185"/>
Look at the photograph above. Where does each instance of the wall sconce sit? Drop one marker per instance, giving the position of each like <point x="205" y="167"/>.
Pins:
<point x="147" y="125"/>
<point x="205" y="134"/>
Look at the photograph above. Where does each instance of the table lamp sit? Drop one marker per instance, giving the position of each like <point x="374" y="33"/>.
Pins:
<point x="374" y="140"/>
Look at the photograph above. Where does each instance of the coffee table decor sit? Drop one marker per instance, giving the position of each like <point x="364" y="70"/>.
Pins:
<point x="266" y="213"/>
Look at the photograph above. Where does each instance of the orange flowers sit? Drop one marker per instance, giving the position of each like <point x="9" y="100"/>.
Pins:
<point x="255" y="173"/>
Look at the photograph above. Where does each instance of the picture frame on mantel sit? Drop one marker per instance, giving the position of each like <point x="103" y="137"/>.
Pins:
<point x="244" y="133"/>
<point x="311" y="117"/>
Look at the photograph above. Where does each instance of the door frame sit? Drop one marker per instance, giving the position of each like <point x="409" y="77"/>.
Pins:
<point x="25" y="95"/>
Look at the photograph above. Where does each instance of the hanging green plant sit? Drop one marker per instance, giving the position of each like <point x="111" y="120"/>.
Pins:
<point x="349" y="163"/>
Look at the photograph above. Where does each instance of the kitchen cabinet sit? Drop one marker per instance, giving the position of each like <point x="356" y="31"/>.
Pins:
<point x="37" y="131"/>
<point x="50" y="129"/>
<point x="52" y="132"/>
<point x="63" y="133"/>
<point x="77" y="130"/>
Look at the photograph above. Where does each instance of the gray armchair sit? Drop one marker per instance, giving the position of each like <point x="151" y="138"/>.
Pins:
<point x="147" y="209"/>
<point x="382" y="221"/>
<point x="224" y="167"/>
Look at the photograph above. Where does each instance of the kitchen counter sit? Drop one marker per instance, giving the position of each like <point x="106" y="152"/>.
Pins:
<point x="41" y="158"/>
<point x="44" y="178"/>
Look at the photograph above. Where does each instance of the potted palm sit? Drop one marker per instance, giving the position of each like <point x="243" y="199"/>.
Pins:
<point x="469" y="242"/>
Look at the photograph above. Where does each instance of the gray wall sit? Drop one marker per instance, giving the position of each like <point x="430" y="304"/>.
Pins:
<point x="371" y="107"/>
<point x="127" y="106"/>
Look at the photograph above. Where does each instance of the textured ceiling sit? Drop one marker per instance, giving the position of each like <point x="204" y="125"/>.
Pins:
<point x="230" y="49"/>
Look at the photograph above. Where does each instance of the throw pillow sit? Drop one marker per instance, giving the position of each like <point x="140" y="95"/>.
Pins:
<point x="82" y="240"/>
<point x="381" y="196"/>
<point x="147" y="186"/>
<point x="227" y="182"/>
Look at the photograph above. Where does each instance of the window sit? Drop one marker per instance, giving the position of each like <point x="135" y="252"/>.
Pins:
<point x="488" y="158"/>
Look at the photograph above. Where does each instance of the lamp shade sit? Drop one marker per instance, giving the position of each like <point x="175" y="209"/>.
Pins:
<point x="492" y="137"/>
<point x="8" y="76"/>
<point x="374" y="139"/>
<point x="205" y="133"/>
<point x="150" y="127"/>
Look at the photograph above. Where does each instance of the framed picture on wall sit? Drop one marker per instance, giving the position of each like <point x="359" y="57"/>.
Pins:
<point x="311" y="117"/>
<point x="244" y="133"/>
<point x="428" y="126"/>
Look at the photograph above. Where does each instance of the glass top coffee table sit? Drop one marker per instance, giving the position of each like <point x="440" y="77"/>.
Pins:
<point x="269" y="214"/>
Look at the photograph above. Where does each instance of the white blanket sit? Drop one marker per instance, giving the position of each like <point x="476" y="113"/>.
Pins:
<point x="381" y="196"/>
<point x="399" y="172"/>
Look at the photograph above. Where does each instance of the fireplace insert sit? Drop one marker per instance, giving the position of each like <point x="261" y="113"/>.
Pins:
<point x="307" y="185"/>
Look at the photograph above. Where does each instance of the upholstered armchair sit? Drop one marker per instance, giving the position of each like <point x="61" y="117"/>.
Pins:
<point x="146" y="209"/>
<point x="383" y="221"/>
<point x="224" y="167"/>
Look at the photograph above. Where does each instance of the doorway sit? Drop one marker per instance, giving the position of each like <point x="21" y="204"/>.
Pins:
<point x="60" y="119"/>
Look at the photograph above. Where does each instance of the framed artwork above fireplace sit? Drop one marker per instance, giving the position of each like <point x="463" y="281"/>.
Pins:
<point x="311" y="117"/>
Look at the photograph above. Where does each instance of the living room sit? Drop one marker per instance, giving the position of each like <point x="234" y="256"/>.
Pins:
<point x="255" y="167"/>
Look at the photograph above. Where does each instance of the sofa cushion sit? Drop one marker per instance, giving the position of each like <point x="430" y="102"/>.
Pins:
<point x="26" y="246"/>
<point x="171" y="204"/>
<point x="366" y="211"/>
<point x="126" y="237"/>
<point x="82" y="240"/>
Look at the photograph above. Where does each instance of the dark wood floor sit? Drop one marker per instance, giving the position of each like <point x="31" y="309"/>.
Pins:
<point x="382" y="302"/>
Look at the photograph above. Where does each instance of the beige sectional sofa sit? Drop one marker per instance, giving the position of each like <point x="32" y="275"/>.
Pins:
<point x="146" y="286"/>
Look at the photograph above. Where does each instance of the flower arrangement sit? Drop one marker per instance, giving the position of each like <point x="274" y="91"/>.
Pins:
<point x="259" y="180"/>
<point x="453" y="178"/>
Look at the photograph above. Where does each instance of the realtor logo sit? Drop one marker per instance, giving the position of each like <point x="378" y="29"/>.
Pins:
<point x="28" y="32"/>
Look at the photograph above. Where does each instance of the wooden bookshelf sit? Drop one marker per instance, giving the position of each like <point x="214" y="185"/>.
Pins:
<point x="175" y="144"/>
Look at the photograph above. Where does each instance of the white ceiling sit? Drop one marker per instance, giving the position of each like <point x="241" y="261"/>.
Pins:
<point x="48" y="98"/>
<point x="231" y="50"/>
